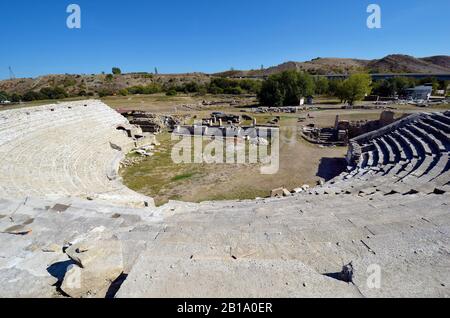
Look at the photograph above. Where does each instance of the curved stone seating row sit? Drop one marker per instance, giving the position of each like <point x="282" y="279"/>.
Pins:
<point x="68" y="149"/>
<point x="409" y="155"/>
<point x="17" y="123"/>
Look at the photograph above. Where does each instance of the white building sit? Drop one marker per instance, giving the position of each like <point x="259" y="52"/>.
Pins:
<point x="419" y="93"/>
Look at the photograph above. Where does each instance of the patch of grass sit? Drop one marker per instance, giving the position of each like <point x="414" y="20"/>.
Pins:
<point x="133" y="155"/>
<point x="163" y="180"/>
<point x="237" y="194"/>
<point x="183" y="176"/>
<point x="441" y="106"/>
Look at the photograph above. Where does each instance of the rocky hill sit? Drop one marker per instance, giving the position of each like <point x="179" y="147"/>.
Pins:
<point x="409" y="64"/>
<point x="390" y="64"/>
<point x="95" y="83"/>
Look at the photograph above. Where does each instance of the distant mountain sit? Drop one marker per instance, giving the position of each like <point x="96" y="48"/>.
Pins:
<point x="440" y="60"/>
<point x="390" y="64"/>
<point x="408" y="64"/>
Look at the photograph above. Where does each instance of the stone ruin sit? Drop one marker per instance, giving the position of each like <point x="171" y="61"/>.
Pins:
<point x="344" y="130"/>
<point x="152" y="123"/>
<point x="220" y="119"/>
<point x="69" y="228"/>
<point x="357" y="128"/>
<point x="221" y="125"/>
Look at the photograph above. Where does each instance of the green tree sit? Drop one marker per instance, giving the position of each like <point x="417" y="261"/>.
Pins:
<point x="286" y="88"/>
<point x="31" y="96"/>
<point x="4" y="96"/>
<point x="152" y="89"/>
<point x="116" y="71"/>
<point x="53" y="93"/>
<point x="191" y="87"/>
<point x="334" y="86"/>
<point x="321" y="85"/>
<point x="233" y="90"/>
<point x="271" y="94"/>
<point x="136" y="90"/>
<point x="15" y="98"/>
<point x="392" y="86"/>
<point x="340" y="92"/>
<point x="356" y="87"/>
<point x="123" y="92"/>
<point x="214" y="89"/>
<point x="105" y="92"/>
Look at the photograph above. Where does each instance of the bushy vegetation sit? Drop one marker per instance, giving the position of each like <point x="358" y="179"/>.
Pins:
<point x="217" y="85"/>
<point x="15" y="98"/>
<point x="322" y="85"/>
<point x="355" y="88"/>
<point x="171" y="92"/>
<point x="222" y="85"/>
<point x="148" y="89"/>
<point x="53" y="93"/>
<point x="116" y="71"/>
<point x="393" y="86"/>
<point x="69" y="81"/>
<point x="286" y="89"/>
<point x="44" y="93"/>
<point x="282" y="89"/>
<point x="4" y="96"/>
<point x="397" y="86"/>
<point x="105" y="92"/>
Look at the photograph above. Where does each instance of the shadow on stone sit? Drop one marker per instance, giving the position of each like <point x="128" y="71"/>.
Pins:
<point x="336" y="276"/>
<point x="115" y="286"/>
<point x="346" y="275"/>
<point x="331" y="167"/>
<point x="58" y="270"/>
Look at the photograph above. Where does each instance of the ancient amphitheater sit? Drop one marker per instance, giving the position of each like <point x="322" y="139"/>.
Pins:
<point x="68" y="227"/>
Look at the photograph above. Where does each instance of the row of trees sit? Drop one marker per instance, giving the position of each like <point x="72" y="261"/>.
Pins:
<point x="397" y="86"/>
<point x="216" y="86"/>
<point x="283" y="89"/>
<point x="44" y="93"/>
<point x="287" y="88"/>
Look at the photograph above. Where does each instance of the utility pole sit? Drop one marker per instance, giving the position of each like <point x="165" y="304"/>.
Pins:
<point x="11" y="74"/>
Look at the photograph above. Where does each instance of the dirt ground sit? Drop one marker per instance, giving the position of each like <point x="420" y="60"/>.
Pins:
<point x="300" y="162"/>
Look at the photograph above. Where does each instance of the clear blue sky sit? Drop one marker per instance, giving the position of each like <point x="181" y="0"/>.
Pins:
<point x="210" y="35"/>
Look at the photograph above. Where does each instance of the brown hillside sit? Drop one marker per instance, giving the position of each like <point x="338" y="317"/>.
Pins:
<point x="406" y="64"/>
<point x="389" y="64"/>
<point x="74" y="84"/>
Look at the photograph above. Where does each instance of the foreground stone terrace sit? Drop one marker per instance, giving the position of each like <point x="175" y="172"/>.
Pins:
<point x="290" y="247"/>
<point x="270" y="248"/>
